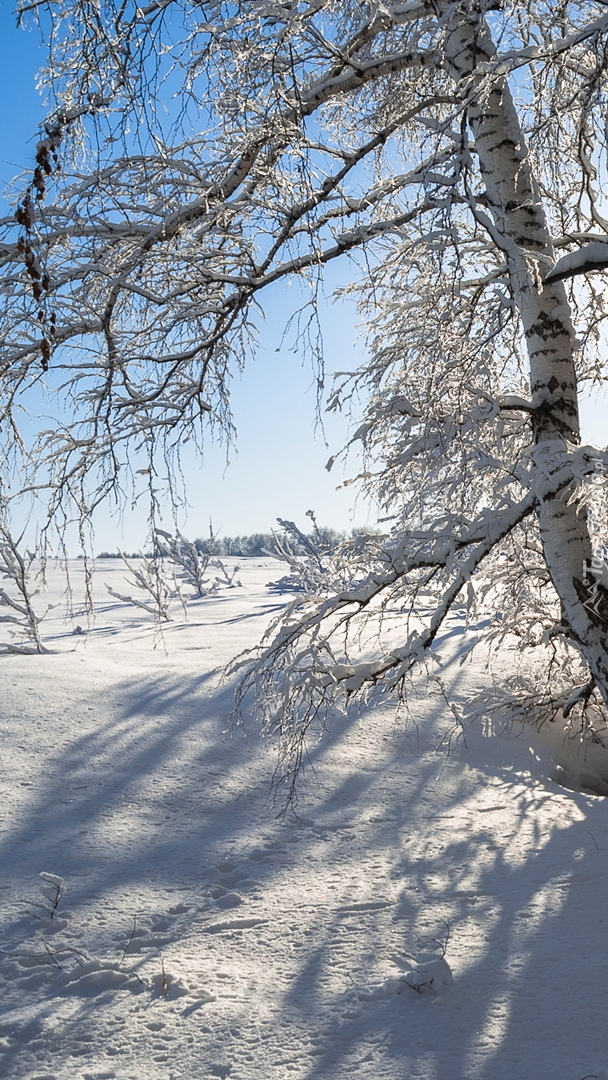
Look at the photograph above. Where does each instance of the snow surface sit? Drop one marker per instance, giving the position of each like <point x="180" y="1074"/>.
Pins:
<point x="196" y="935"/>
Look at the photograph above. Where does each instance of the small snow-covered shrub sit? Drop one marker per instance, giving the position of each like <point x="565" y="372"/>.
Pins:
<point x="193" y="562"/>
<point x="175" y="562"/>
<point x="54" y="889"/>
<point x="152" y="583"/>
<point x="314" y="560"/>
<point x="304" y="557"/>
<point x="23" y="618"/>
<point x="429" y="975"/>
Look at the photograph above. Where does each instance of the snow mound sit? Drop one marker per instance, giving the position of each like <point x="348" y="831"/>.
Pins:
<point x="97" y="977"/>
<point x="430" y="974"/>
<point x="229" y="900"/>
<point x="428" y="977"/>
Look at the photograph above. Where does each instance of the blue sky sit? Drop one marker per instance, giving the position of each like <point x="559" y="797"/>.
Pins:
<point x="277" y="467"/>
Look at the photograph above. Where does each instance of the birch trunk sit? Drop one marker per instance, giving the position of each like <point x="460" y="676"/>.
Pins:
<point x="518" y="225"/>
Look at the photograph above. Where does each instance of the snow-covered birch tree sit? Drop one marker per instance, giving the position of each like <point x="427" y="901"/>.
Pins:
<point x="449" y="154"/>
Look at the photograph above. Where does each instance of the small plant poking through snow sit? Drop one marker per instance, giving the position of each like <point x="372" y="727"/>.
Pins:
<point x="306" y="570"/>
<point x="164" y="979"/>
<point x="313" y="559"/>
<point x="430" y="971"/>
<point x="175" y="562"/>
<point x="429" y="974"/>
<point x="78" y="970"/>
<point x="54" y="889"/>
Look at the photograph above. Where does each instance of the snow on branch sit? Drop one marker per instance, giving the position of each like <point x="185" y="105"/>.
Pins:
<point x="588" y="258"/>
<point x="387" y="601"/>
<point x="302" y="665"/>
<point x="179" y="238"/>
<point x="274" y="140"/>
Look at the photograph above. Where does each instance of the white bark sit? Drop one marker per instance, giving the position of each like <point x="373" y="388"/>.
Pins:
<point x="519" y="227"/>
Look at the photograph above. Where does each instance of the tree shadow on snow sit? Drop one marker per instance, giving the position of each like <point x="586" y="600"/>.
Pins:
<point x="517" y="876"/>
<point x="154" y="804"/>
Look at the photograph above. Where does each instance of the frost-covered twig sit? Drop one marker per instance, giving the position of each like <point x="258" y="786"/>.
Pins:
<point x="54" y="888"/>
<point x="128" y="945"/>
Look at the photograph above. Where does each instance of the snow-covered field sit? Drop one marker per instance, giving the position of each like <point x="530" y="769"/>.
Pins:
<point x="200" y="936"/>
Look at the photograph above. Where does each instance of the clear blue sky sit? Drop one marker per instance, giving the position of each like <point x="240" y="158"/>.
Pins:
<point x="278" y="467"/>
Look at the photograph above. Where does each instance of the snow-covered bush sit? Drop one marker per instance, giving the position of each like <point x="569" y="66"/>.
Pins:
<point x="54" y="889"/>
<point x="313" y="559"/>
<point x="429" y="974"/>
<point x="23" y="618"/>
<point x="150" y="579"/>
<point x="192" y="563"/>
<point x="175" y="562"/>
<point x="307" y="570"/>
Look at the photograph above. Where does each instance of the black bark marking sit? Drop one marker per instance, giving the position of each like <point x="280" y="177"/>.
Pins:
<point x="529" y="241"/>
<point x="547" y="327"/>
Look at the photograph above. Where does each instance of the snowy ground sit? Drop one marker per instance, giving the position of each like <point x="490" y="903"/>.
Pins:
<point x="201" y="937"/>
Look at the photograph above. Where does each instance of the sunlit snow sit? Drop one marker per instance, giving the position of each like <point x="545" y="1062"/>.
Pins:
<point x="430" y="913"/>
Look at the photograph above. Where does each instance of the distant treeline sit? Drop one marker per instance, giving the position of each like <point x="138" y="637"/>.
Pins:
<point x="261" y="543"/>
<point x="258" y="544"/>
<point x="119" y="555"/>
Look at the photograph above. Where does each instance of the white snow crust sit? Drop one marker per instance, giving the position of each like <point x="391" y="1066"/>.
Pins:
<point x="428" y="915"/>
